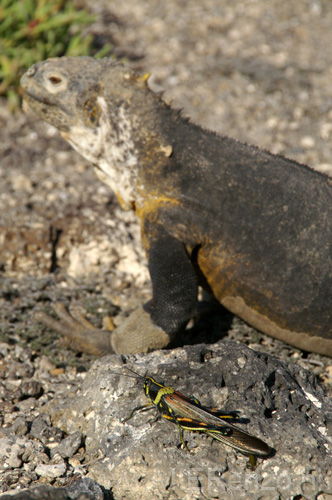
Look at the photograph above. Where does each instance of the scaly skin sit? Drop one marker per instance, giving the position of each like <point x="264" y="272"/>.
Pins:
<point x="251" y="227"/>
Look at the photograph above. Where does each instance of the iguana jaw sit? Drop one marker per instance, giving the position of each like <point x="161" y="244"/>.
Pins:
<point x="112" y="150"/>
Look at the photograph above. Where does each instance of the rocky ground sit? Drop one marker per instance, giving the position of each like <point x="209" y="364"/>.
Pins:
<point x="257" y="71"/>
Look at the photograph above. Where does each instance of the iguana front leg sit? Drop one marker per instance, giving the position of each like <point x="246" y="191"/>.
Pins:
<point x="174" y="283"/>
<point x="174" y="302"/>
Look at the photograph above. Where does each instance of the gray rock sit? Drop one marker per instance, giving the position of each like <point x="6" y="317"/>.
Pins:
<point x="34" y="453"/>
<point x="87" y="487"/>
<point x="142" y="458"/>
<point x="42" y="422"/>
<point x="19" y="426"/>
<point x="51" y="470"/>
<point x="26" y="405"/>
<point x="68" y="446"/>
<point x="19" y="370"/>
<point x="84" y="489"/>
<point x="31" y="388"/>
<point x="42" y="429"/>
<point x="41" y="493"/>
<point x="11" y="451"/>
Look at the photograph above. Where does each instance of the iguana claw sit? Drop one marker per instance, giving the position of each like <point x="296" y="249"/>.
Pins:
<point x="136" y="334"/>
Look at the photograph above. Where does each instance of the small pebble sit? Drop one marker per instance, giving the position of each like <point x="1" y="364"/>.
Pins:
<point x="68" y="446"/>
<point x="41" y="429"/>
<point x="31" y="388"/>
<point x="51" y="470"/>
<point x="20" y="426"/>
<point x="308" y="142"/>
<point x="11" y="449"/>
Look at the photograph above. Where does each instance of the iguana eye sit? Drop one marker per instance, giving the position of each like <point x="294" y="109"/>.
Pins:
<point x="55" y="80"/>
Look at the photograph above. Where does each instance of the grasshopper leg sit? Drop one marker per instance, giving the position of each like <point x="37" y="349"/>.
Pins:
<point x="138" y="408"/>
<point x="181" y="436"/>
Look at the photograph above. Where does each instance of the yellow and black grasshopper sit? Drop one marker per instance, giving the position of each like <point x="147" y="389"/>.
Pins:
<point x="189" y="415"/>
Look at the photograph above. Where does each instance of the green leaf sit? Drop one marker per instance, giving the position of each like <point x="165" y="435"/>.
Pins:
<point x="32" y="30"/>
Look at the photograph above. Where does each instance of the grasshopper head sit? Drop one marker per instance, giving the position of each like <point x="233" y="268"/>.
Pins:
<point x="151" y="388"/>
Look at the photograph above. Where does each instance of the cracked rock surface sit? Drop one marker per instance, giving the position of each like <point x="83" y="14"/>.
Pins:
<point x="142" y="458"/>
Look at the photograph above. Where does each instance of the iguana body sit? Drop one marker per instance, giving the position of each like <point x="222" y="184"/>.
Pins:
<point x="251" y="227"/>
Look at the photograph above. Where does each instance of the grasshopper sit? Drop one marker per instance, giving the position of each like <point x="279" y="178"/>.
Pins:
<point x="189" y="415"/>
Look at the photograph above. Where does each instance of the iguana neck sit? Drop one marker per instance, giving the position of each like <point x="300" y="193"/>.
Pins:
<point x="127" y="144"/>
<point x="110" y="147"/>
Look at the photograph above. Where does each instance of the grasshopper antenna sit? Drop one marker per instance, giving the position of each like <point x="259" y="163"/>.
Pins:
<point x="136" y="375"/>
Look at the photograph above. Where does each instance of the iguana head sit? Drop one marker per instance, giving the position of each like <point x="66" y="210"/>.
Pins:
<point x="101" y="108"/>
<point x="63" y="91"/>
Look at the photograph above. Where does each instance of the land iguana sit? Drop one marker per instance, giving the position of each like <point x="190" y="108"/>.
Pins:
<point x="252" y="228"/>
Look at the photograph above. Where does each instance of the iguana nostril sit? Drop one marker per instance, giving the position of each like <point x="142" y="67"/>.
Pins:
<point x="31" y="71"/>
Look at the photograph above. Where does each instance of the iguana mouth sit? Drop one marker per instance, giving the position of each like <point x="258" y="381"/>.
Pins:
<point x="29" y="96"/>
<point x="32" y="98"/>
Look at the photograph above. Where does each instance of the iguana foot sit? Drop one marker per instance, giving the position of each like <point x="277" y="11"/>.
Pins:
<point x="78" y="332"/>
<point x="136" y="334"/>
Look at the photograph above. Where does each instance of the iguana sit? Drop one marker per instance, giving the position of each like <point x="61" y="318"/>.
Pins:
<point x="252" y="228"/>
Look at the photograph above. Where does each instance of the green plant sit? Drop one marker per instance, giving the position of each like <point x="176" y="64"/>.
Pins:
<point x="33" y="30"/>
